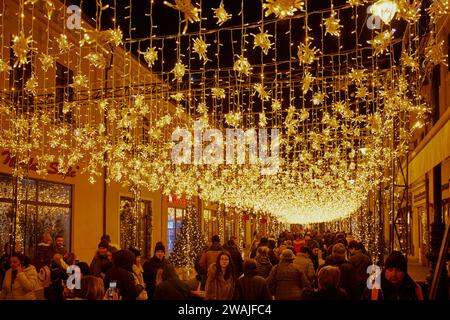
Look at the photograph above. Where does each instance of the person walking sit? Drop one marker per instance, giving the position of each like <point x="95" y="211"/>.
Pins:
<point x="235" y="257"/>
<point x="286" y="281"/>
<point x="304" y="262"/>
<point x="328" y="282"/>
<point x="360" y="262"/>
<point x="221" y="278"/>
<point x="251" y="286"/>
<point x="263" y="264"/>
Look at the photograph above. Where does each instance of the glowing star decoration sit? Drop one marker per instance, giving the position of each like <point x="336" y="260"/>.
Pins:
<point x="150" y="56"/>
<point x="262" y="119"/>
<point x="362" y="92"/>
<point x="218" y="93"/>
<point x="115" y="36"/>
<point x="178" y="71"/>
<point x="200" y="48"/>
<point x="409" y="61"/>
<point x="63" y="44"/>
<point x="307" y="80"/>
<point x="191" y="12"/>
<point x="357" y="75"/>
<point x="305" y="54"/>
<point x="202" y="108"/>
<point x="282" y="8"/>
<point x="80" y="81"/>
<point x="47" y="61"/>
<point x="434" y="53"/>
<point x="409" y="11"/>
<point x="304" y="115"/>
<point x="318" y="98"/>
<point x="438" y="8"/>
<point x="179" y="96"/>
<point x="332" y="25"/>
<point x="96" y="59"/>
<point x="262" y="40"/>
<point x="221" y="14"/>
<point x="385" y="9"/>
<point x="31" y="85"/>
<point x="242" y="66"/>
<point x="4" y="66"/>
<point x="276" y="105"/>
<point x="261" y="90"/>
<point x="233" y="119"/>
<point x="50" y="8"/>
<point x="356" y="3"/>
<point x="291" y="123"/>
<point x="21" y="47"/>
<point x="381" y="41"/>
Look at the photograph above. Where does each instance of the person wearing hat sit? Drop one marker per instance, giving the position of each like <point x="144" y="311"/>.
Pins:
<point x="396" y="284"/>
<point x="100" y="262"/>
<point x="263" y="242"/>
<point x="251" y="286"/>
<point x="210" y="256"/>
<point x="151" y="267"/>
<point x="348" y="280"/>
<point x="286" y="281"/>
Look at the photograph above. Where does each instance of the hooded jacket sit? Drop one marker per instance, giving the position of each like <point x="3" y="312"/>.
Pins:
<point x="263" y="266"/>
<point x="23" y="286"/>
<point x="122" y="272"/>
<point x="171" y="287"/>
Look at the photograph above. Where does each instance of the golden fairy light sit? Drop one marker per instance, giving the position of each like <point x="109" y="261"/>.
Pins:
<point x="191" y="12"/>
<point x="262" y="92"/>
<point x="332" y="25"/>
<point x="47" y="61"/>
<point x="233" y="119"/>
<point x="282" y="8"/>
<point x="31" y="85"/>
<point x="356" y="3"/>
<point x="409" y="11"/>
<point x="80" y="81"/>
<point x="409" y="61"/>
<point x="307" y="80"/>
<point x="96" y="59"/>
<point x="4" y="66"/>
<point x="21" y="47"/>
<point x="200" y="48"/>
<point x="63" y="43"/>
<point x="179" y="96"/>
<point x="179" y="71"/>
<point x="202" y="107"/>
<point x="262" y="119"/>
<point x="221" y="14"/>
<point x="276" y="105"/>
<point x="318" y="98"/>
<point x="381" y="41"/>
<point x="438" y="8"/>
<point x="218" y="93"/>
<point x="434" y="53"/>
<point x="242" y="66"/>
<point x="306" y="54"/>
<point x="150" y="56"/>
<point x="262" y="40"/>
<point x="362" y="92"/>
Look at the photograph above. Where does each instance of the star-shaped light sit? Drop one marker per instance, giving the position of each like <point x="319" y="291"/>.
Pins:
<point x="282" y="8"/>
<point x="318" y="98"/>
<point x="96" y="59"/>
<point x="21" y="47"/>
<point x="362" y="92"/>
<point x="357" y="75"/>
<point x="242" y="66"/>
<point x="202" y="107"/>
<point x="4" y="66"/>
<point x="262" y="119"/>
<point x="218" y="93"/>
<point x="179" y="70"/>
<point x="179" y="96"/>
<point x="381" y="41"/>
<point x="47" y="61"/>
<point x="31" y="85"/>
<point x="332" y="25"/>
<point x="233" y="118"/>
<point x="409" y="11"/>
<point x="221" y="14"/>
<point x="438" y="8"/>
<point x="262" y="40"/>
<point x="304" y="115"/>
<point x="63" y="43"/>
<point x="191" y="12"/>
<point x="356" y="3"/>
<point x="115" y="36"/>
<point x="306" y="54"/>
<point x="150" y="56"/>
<point x="276" y="105"/>
<point x="200" y="48"/>
<point x="434" y="53"/>
<point x="307" y="80"/>
<point x="80" y="81"/>
<point x="409" y="61"/>
<point x="261" y="90"/>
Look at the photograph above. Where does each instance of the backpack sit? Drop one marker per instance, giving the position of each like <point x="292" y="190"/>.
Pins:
<point x="44" y="277"/>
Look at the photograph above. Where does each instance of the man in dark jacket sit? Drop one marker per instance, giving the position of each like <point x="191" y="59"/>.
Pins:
<point x="122" y="274"/>
<point x="171" y="287"/>
<point x="61" y="249"/>
<point x="264" y="242"/>
<point x="44" y="252"/>
<point x="396" y="284"/>
<point x="360" y="262"/>
<point x="235" y="257"/>
<point x="100" y="262"/>
<point x="210" y="256"/>
<point x="251" y="286"/>
<point x="151" y="267"/>
<point x="348" y="280"/>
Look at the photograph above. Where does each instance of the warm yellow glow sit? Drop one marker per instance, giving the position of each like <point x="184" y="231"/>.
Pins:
<point x="385" y="9"/>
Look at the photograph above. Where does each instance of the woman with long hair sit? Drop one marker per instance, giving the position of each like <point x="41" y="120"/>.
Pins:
<point x="20" y="280"/>
<point x="221" y="278"/>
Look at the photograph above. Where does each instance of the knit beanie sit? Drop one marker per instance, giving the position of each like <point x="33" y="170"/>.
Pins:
<point x="396" y="260"/>
<point x="160" y="247"/>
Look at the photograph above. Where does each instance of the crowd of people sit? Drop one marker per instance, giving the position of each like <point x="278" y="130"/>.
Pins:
<point x="301" y="265"/>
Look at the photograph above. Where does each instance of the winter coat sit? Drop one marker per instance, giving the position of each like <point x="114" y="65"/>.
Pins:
<point x="237" y="260"/>
<point x="218" y="288"/>
<point x="328" y="294"/>
<point x="263" y="266"/>
<point x="171" y="287"/>
<point x="122" y="272"/>
<point x="56" y="288"/>
<point x="251" y="287"/>
<point x="286" y="281"/>
<point x="408" y="290"/>
<point x="150" y="269"/>
<point x="348" y="280"/>
<point x="306" y="265"/>
<point x="99" y="264"/>
<point x="23" y="286"/>
<point x="43" y="256"/>
<point x="273" y="257"/>
<point x="298" y="244"/>
<point x="360" y="262"/>
<point x="209" y="257"/>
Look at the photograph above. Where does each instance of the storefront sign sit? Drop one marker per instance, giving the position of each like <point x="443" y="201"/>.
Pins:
<point x="33" y="165"/>
<point x="174" y="200"/>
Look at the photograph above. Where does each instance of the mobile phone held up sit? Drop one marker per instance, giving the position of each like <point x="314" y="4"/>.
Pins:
<point x="112" y="289"/>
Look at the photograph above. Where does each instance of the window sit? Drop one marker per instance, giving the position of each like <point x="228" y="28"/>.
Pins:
<point x="136" y="224"/>
<point x="43" y="207"/>
<point x="64" y="92"/>
<point x="174" y="224"/>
